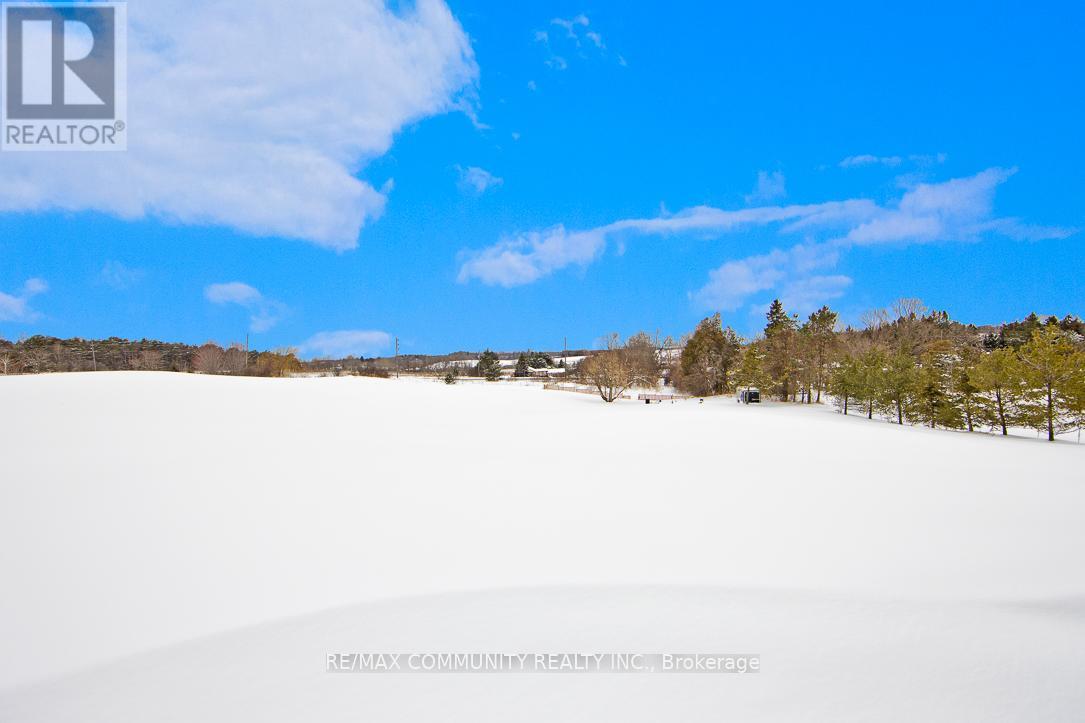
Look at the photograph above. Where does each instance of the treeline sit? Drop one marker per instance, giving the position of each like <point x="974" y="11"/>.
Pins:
<point x="906" y="364"/>
<point x="43" y="354"/>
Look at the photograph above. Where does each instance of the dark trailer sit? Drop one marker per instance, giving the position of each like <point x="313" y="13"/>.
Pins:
<point x="749" y="396"/>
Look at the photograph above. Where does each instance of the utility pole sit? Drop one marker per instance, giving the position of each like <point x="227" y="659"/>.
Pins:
<point x="93" y="358"/>
<point x="397" y="357"/>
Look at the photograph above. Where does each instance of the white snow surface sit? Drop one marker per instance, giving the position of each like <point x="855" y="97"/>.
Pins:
<point x="181" y="547"/>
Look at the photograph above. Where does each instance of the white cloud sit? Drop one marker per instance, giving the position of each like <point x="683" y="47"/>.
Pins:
<point x="478" y="180"/>
<point x="955" y="210"/>
<point x="960" y="209"/>
<point x="530" y="256"/>
<point x="257" y="116"/>
<point x="870" y="160"/>
<point x="794" y="273"/>
<point x="576" y="40"/>
<point x="925" y="159"/>
<point x="571" y="25"/>
<point x="527" y="257"/>
<point x="867" y="159"/>
<point x="233" y="292"/>
<point x="804" y="295"/>
<point x="264" y="312"/>
<point x="770" y="186"/>
<point x="118" y="276"/>
<point x="730" y="284"/>
<point x="350" y="342"/>
<point x="16" y="307"/>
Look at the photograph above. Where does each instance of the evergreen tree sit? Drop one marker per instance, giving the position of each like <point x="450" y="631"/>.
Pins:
<point x="522" y="369"/>
<point x="1018" y="333"/>
<point x="750" y="372"/>
<point x="805" y="364"/>
<point x="1052" y="370"/>
<point x="870" y="375"/>
<point x="489" y="366"/>
<point x="780" y="342"/>
<point x="998" y="377"/>
<point x="1075" y="401"/>
<point x="822" y="326"/>
<point x="898" y="385"/>
<point x="966" y="389"/>
<point x="934" y="400"/>
<point x="708" y="358"/>
<point x="1072" y="324"/>
<point x="538" y="360"/>
<point x="845" y="381"/>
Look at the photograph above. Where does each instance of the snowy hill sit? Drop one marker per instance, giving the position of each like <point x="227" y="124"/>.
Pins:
<point x="206" y="541"/>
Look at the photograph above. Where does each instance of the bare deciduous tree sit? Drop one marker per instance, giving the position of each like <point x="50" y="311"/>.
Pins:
<point x="235" y="359"/>
<point x="642" y="353"/>
<point x="209" y="359"/>
<point x="150" y="359"/>
<point x="908" y="308"/>
<point x="620" y="367"/>
<point x="874" y="319"/>
<point x="34" y="359"/>
<point x="609" y="372"/>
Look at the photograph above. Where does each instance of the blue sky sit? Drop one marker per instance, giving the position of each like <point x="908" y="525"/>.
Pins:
<point x="509" y="174"/>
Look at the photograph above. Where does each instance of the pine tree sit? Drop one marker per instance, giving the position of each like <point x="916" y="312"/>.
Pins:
<point x="708" y="358"/>
<point x="751" y="367"/>
<point x="821" y="327"/>
<point x="934" y="399"/>
<point x="805" y="364"/>
<point x="522" y="369"/>
<point x="845" y="381"/>
<point x="898" y="385"/>
<point x="489" y="366"/>
<point x="537" y="359"/>
<point x="1075" y="401"/>
<point x="870" y="378"/>
<point x="1052" y="371"/>
<point x="967" y="391"/>
<point x="780" y="341"/>
<point x="998" y="377"/>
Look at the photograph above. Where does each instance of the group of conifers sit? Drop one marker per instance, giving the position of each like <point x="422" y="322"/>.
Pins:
<point x="906" y="365"/>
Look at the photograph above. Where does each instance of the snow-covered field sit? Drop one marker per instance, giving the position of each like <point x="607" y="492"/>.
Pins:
<point x="177" y="547"/>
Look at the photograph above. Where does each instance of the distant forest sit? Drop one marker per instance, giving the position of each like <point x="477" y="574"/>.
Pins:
<point x="44" y="354"/>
